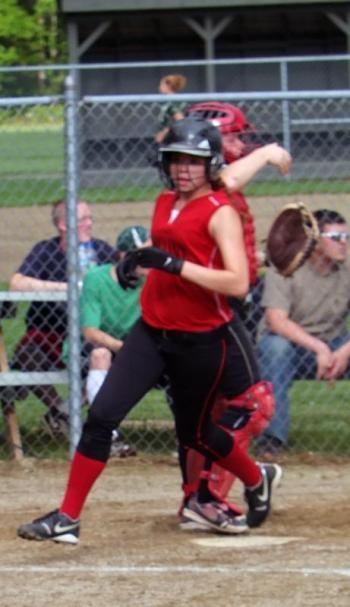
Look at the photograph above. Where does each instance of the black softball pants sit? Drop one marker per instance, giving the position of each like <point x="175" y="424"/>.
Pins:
<point x="198" y="367"/>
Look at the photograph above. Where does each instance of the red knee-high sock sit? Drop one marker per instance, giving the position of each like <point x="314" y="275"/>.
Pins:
<point x="241" y="465"/>
<point x="83" y="473"/>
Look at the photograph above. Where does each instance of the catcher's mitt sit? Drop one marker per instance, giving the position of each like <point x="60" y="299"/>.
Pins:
<point x="291" y="238"/>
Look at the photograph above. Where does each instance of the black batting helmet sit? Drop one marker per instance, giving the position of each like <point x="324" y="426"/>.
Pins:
<point x="196" y="137"/>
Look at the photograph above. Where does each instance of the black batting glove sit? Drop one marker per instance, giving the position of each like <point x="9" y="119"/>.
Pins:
<point x="125" y="269"/>
<point x="152" y="257"/>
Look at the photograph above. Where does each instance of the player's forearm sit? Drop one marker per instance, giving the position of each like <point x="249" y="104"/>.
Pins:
<point x="21" y="282"/>
<point x="160" y="136"/>
<point x="237" y="174"/>
<point x="295" y="333"/>
<point x="96" y="337"/>
<point x="240" y="172"/>
<point x="225" y="282"/>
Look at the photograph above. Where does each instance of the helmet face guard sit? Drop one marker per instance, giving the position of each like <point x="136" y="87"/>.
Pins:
<point x="195" y="137"/>
<point x="226" y="117"/>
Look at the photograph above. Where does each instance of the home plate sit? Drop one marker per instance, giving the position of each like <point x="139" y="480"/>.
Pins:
<point x="240" y="541"/>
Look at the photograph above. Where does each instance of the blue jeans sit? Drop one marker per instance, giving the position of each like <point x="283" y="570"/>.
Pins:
<point x="282" y="361"/>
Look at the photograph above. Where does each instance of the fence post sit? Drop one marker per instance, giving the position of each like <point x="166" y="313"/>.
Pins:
<point x="71" y="177"/>
<point x="285" y="106"/>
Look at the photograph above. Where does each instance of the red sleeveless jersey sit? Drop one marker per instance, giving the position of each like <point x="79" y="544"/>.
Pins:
<point x="169" y="301"/>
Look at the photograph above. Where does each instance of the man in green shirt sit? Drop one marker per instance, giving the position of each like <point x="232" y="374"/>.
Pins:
<point x="107" y="314"/>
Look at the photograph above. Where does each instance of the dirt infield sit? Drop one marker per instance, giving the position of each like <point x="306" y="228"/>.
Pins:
<point x="132" y="552"/>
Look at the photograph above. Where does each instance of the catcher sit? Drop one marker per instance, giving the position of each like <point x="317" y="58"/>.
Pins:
<point x="203" y="480"/>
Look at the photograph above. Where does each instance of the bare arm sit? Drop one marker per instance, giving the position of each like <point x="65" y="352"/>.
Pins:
<point x="160" y="136"/>
<point x="226" y="229"/>
<point x="278" y="322"/>
<point x="237" y="174"/>
<point x="100" y="338"/>
<point x="178" y="116"/>
<point x="21" y="282"/>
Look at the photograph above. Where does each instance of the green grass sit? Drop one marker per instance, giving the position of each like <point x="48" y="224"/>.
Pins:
<point x="32" y="118"/>
<point x="149" y="426"/>
<point x="134" y="193"/>
<point x="320" y="417"/>
<point x="27" y="190"/>
<point x="320" y="423"/>
<point x="286" y="187"/>
<point x="14" y="328"/>
<point x="32" y="169"/>
<point x="41" y="152"/>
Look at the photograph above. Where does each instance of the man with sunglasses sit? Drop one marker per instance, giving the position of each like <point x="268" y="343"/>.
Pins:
<point x="303" y="333"/>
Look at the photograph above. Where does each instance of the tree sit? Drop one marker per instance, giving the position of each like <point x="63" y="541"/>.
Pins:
<point x="30" y="33"/>
<point x="17" y="29"/>
<point x="51" y="45"/>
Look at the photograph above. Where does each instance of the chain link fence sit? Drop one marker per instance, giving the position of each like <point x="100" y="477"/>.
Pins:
<point x="100" y="149"/>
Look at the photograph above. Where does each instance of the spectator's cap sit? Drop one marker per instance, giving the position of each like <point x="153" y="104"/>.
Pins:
<point x="131" y="238"/>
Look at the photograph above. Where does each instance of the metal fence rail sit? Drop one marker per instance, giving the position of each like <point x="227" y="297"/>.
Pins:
<point x="101" y="148"/>
<point x="17" y="378"/>
<point x="284" y="74"/>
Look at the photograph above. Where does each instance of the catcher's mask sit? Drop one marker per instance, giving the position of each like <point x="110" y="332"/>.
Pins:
<point x="196" y="137"/>
<point x="292" y="238"/>
<point x="227" y="118"/>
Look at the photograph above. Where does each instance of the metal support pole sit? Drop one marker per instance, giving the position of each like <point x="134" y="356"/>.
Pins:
<point x="209" y="32"/>
<point x="71" y="174"/>
<point x="285" y="106"/>
<point x="344" y="26"/>
<point x="74" y="55"/>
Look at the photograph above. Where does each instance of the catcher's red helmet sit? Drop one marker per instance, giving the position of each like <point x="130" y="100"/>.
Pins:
<point x="226" y="117"/>
<point x="229" y="119"/>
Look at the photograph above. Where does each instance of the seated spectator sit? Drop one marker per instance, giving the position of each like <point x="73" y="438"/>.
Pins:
<point x="107" y="314"/>
<point x="303" y="334"/>
<point x="45" y="269"/>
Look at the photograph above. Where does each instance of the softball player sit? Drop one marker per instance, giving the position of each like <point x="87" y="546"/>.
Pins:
<point x="197" y="261"/>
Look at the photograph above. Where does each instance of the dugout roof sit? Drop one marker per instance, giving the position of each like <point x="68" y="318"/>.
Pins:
<point x="110" y="31"/>
<point x="91" y="6"/>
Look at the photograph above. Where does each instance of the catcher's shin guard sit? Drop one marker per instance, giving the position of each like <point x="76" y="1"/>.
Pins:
<point x="219" y="480"/>
<point x="256" y="403"/>
<point x="259" y="402"/>
<point x="259" y="399"/>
